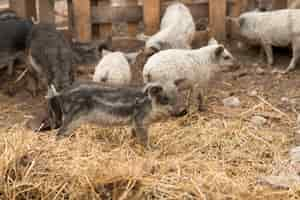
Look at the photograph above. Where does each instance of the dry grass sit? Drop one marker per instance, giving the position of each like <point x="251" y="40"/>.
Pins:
<point x="195" y="157"/>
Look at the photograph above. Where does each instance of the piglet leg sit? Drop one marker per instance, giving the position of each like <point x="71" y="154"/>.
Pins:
<point x="293" y="63"/>
<point x="201" y="106"/>
<point x="69" y="124"/>
<point x="140" y="130"/>
<point x="269" y="52"/>
<point x="296" y="55"/>
<point x="10" y="69"/>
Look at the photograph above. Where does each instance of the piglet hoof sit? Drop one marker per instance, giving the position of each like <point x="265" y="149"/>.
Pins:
<point x="181" y="113"/>
<point x="149" y="147"/>
<point x="40" y="128"/>
<point x="143" y="142"/>
<point x="11" y="91"/>
<point x="133" y="134"/>
<point x="44" y="126"/>
<point x="61" y="133"/>
<point x="59" y="137"/>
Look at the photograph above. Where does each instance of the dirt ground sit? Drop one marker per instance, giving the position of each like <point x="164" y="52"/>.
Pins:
<point x="216" y="154"/>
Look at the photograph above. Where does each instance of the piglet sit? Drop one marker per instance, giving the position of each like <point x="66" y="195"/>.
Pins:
<point x="195" y="66"/>
<point x="114" y="106"/>
<point x="51" y="56"/>
<point x="273" y="28"/>
<point x="13" y="34"/>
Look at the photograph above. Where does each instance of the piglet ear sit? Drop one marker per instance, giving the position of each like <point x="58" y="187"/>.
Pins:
<point x="164" y="45"/>
<point x="153" y="89"/>
<point x="219" y="50"/>
<point x="242" y="21"/>
<point x="156" y="48"/>
<point x="159" y="46"/>
<point x="182" y="84"/>
<point x="105" y="52"/>
<point x="150" y="51"/>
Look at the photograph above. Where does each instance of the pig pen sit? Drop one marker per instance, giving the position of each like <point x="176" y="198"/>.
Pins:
<point x="216" y="154"/>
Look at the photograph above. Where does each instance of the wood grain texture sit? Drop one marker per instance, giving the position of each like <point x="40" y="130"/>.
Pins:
<point x="217" y="19"/>
<point x="24" y="8"/>
<point x="151" y="12"/>
<point x="82" y="20"/>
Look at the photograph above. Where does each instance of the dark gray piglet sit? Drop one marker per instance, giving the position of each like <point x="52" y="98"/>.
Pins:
<point x="51" y="56"/>
<point x="111" y="106"/>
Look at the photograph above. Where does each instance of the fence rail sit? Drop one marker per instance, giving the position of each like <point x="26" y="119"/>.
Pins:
<point x="89" y="19"/>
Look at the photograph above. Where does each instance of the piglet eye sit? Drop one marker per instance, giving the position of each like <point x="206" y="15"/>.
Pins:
<point x="226" y="57"/>
<point x="164" y="100"/>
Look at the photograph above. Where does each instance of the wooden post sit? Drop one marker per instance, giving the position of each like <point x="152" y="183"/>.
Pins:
<point x="132" y="29"/>
<point x="244" y="5"/>
<point x="46" y="12"/>
<point x="105" y="30"/>
<point x="239" y="7"/>
<point x="23" y="8"/>
<point x="151" y="16"/>
<point x="279" y="4"/>
<point x="82" y="20"/>
<point x="70" y="17"/>
<point x="251" y="5"/>
<point x="217" y="19"/>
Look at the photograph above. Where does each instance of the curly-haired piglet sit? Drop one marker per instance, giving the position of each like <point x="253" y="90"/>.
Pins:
<point x="114" y="106"/>
<point x="194" y="66"/>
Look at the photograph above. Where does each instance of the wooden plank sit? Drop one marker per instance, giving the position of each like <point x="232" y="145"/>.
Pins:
<point x="82" y="20"/>
<point x="244" y="5"/>
<point x="46" y="12"/>
<point x="105" y="30"/>
<point x="31" y="9"/>
<point x="19" y="6"/>
<point x="123" y="3"/>
<point x="23" y="8"/>
<point x="133" y="13"/>
<point x="94" y="2"/>
<point x="279" y="4"/>
<point x="236" y="9"/>
<point x="132" y="29"/>
<point x="116" y="14"/>
<point x="198" y="10"/>
<point x="293" y="4"/>
<point x="251" y="5"/>
<point x="70" y="17"/>
<point x="200" y="39"/>
<point x="151" y="10"/>
<point x="127" y="44"/>
<point x="96" y="32"/>
<point x="217" y="19"/>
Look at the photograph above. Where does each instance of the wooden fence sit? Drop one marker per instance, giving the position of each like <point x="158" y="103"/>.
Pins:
<point x="94" y="18"/>
<point x="90" y="19"/>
